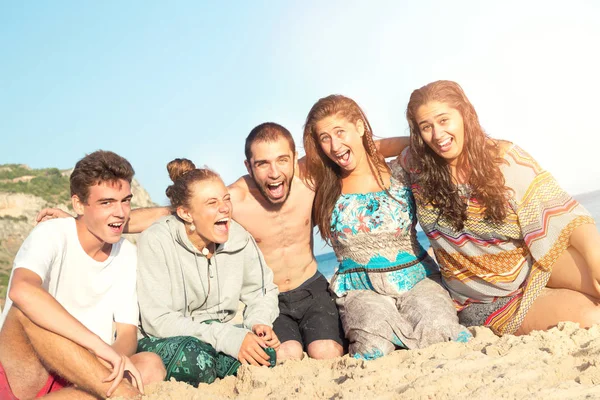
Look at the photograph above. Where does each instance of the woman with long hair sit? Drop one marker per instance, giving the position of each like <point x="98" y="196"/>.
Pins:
<point x="501" y="227"/>
<point x="387" y="287"/>
<point x="194" y="267"/>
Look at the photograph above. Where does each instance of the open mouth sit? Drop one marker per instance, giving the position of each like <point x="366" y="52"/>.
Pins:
<point x="276" y="190"/>
<point x="116" y="227"/>
<point x="222" y="226"/>
<point x="445" y="145"/>
<point x="343" y="158"/>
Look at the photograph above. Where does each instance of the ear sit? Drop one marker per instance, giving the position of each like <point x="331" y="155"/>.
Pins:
<point x="184" y="215"/>
<point x="247" y="164"/>
<point x="360" y="127"/>
<point x="77" y="204"/>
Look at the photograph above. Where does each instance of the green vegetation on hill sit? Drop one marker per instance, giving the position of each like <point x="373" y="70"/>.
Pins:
<point x="48" y="183"/>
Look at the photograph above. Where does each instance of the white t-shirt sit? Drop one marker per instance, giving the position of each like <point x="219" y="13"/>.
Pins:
<point x="95" y="293"/>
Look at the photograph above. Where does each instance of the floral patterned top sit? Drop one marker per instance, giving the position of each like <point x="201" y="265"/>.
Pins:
<point x="375" y="241"/>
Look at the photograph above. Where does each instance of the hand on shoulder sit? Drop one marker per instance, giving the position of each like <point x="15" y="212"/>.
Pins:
<point x="51" y="213"/>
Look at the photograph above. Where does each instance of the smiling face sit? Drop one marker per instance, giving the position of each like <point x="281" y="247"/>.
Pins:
<point x="341" y="141"/>
<point x="272" y="167"/>
<point x="442" y="129"/>
<point x="210" y="211"/>
<point x="105" y="212"/>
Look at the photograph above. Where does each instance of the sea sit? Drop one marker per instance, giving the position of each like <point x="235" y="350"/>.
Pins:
<point x="327" y="263"/>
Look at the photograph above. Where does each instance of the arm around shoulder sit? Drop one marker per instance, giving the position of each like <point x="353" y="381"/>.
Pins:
<point x="392" y="147"/>
<point x="141" y="218"/>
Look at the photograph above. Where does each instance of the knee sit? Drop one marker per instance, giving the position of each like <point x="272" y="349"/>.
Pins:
<point x="150" y="366"/>
<point x="290" y="350"/>
<point x="325" y="349"/>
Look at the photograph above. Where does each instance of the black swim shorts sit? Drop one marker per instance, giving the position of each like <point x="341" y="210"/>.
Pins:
<point x="309" y="313"/>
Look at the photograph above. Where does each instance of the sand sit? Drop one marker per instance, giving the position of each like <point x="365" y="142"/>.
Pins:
<point x="562" y="363"/>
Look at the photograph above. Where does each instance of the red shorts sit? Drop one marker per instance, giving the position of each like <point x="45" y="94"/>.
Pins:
<point x="53" y="384"/>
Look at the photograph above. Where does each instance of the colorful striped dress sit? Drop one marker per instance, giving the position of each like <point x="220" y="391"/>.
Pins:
<point x="387" y="287"/>
<point x="508" y="262"/>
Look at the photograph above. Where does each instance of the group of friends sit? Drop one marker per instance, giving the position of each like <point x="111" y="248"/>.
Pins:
<point x="89" y="316"/>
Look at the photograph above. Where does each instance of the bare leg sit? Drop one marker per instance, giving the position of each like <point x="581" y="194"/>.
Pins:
<point x="571" y="271"/>
<point x="70" y="393"/>
<point x="570" y="295"/>
<point x="39" y="347"/>
<point x="24" y="371"/>
<point x="290" y="350"/>
<point x="556" y="305"/>
<point x="150" y="366"/>
<point x="325" y="349"/>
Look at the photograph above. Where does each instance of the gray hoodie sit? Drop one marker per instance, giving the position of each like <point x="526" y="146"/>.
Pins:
<point x="180" y="290"/>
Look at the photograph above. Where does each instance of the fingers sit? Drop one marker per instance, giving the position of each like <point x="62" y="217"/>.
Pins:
<point x="43" y="215"/>
<point x="252" y="351"/>
<point x="118" y="377"/>
<point x="257" y="357"/>
<point x="112" y="375"/>
<point x="274" y="343"/>
<point x="137" y="377"/>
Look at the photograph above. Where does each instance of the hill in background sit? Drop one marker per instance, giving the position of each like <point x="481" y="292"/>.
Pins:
<point x="25" y="191"/>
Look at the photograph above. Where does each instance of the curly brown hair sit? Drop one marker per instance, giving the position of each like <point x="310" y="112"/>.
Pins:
<point x="324" y="175"/>
<point x="482" y="154"/>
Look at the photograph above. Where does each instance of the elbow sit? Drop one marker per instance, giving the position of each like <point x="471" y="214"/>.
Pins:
<point x="19" y="293"/>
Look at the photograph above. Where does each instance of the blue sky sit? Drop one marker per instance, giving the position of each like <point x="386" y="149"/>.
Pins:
<point x="157" y="80"/>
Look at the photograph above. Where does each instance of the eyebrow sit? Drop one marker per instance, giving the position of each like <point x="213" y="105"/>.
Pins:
<point x="436" y="116"/>
<point x="332" y="129"/>
<point x="264" y="161"/>
<point x="113" y="199"/>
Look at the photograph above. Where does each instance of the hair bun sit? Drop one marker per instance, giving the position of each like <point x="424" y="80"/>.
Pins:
<point x="178" y="167"/>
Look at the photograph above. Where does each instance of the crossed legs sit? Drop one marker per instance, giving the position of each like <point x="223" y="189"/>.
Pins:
<point x="28" y="353"/>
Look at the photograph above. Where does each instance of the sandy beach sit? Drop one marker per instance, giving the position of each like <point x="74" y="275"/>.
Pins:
<point x="563" y="363"/>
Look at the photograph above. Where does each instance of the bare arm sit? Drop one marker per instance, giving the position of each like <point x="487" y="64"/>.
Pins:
<point x="142" y="218"/>
<point x="126" y="342"/>
<point x="42" y="309"/>
<point x="139" y="220"/>
<point x="392" y="147"/>
<point x="388" y="147"/>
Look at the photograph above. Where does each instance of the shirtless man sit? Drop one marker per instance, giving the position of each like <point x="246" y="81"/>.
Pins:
<point x="274" y="204"/>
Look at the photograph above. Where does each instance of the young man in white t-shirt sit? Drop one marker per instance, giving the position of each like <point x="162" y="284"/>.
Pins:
<point x="69" y="325"/>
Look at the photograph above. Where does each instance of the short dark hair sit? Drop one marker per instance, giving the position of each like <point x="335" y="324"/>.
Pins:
<point x="98" y="167"/>
<point x="268" y="132"/>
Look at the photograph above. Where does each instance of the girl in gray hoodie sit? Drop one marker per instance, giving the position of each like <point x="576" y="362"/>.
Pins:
<point x="194" y="267"/>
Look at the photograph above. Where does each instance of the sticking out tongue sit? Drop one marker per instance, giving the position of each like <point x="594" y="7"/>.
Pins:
<point x="445" y="145"/>
<point x="222" y="227"/>
<point x="344" y="159"/>
<point x="276" y="190"/>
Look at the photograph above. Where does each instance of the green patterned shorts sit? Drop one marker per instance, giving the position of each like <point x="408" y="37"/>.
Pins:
<point x="189" y="360"/>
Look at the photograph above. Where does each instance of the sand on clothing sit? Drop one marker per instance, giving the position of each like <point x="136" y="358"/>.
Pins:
<point x="562" y="363"/>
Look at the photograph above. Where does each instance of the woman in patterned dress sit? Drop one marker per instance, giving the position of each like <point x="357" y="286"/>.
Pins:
<point x="387" y="287"/>
<point x="502" y="229"/>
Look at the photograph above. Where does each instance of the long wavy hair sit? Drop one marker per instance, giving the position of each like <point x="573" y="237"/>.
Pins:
<point x="324" y="175"/>
<point x="482" y="157"/>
